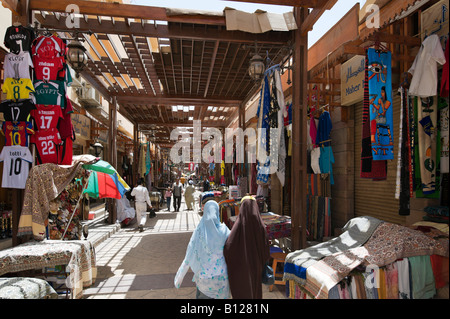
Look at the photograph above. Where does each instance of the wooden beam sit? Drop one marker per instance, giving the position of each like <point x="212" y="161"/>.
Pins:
<point x="120" y="10"/>
<point x="308" y="23"/>
<point x="211" y="67"/>
<point x="14" y="5"/>
<point x="179" y="124"/>
<point x="164" y="31"/>
<point x="292" y="3"/>
<point x="179" y="100"/>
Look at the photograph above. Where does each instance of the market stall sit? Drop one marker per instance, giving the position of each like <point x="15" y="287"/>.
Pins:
<point x="77" y="255"/>
<point x="371" y="259"/>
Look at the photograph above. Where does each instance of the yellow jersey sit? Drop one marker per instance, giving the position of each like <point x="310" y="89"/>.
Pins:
<point x="17" y="89"/>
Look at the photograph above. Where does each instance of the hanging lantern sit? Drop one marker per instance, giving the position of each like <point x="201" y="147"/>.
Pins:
<point x="257" y="67"/>
<point x="76" y="56"/>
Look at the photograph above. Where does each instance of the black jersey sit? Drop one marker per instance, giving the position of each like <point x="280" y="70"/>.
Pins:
<point x="19" y="38"/>
<point x="16" y="111"/>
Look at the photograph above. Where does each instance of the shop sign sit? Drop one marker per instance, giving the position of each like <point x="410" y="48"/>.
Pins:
<point x="435" y="21"/>
<point x="352" y="80"/>
<point x="82" y="126"/>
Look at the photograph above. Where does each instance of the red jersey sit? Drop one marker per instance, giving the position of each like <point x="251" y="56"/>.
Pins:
<point x="46" y="145"/>
<point x="65" y="126"/>
<point x="16" y="133"/>
<point x="46" y="116"/>
<point x="49" y="47"/>
<point x="47" y="68"/>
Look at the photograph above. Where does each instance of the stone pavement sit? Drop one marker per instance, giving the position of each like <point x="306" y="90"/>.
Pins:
<point x="142" y="265"/>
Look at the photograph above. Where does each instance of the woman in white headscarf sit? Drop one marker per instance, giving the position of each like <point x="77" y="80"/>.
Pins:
<point x="204" y="255"/>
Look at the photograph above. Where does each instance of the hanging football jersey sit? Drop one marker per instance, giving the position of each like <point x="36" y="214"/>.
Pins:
<point x="17" y="89"/>
<point x="16" y="133"/>
<point x="18" y="65"/>
<point x="47" y="68"/>
<point x="46" y="116"/>
<point x="49" y="93"/>
<point x="19" y="38"/>
<point x="16" y="167"/>
<point x="65" y="152"/>
<point x="49" y="47"/>
<point x="16" y="111"/>
<point x="65" y="126"/>
<point x="46" y="142"/>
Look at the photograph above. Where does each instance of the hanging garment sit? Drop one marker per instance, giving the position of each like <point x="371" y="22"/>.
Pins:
<point x="427" y="121"/>
<point x="324" y="129"/>
<point x="377" y="170"/>
<point x="444" y="139"/>
<point x="148" y="160"/>
<point x="422" y="278"/>
<point x="326" y="162"/>
<point x="16" y="111"/>
<point x="281" y="139"/>
<point x="17" y="133"/>
<point x="17" y="65"/>
<point x="17" y="89"/>
<point x="381" y="108"/>
<point x="404" y="287"/>
<point x="445" y="82"/>
<point x="404" y="156"/>
<point x="19" y="38"/>
<point x="424" y="70"/>
<point x="16" y="160"/>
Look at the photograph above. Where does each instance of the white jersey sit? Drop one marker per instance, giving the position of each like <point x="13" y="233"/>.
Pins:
<point x="16" y="167"/>
<point x="18" y="65"/>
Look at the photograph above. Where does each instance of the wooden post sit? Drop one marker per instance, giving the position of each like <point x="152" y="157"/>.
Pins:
<point x="299" y="151"/>
<point x="135" y="155"/>
<point x="112" y="156"/>
<point x="18" y="194"/>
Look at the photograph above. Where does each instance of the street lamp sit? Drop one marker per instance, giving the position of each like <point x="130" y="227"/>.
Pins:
<point x="257" y="67"/>
<point x="97" y="148"/>
<point x="76" y="56"/>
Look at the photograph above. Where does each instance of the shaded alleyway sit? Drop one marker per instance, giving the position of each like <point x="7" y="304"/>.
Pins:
<point x="134" y="265"/>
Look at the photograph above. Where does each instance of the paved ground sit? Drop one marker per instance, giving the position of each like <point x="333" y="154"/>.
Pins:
<point x="142" y="265"/>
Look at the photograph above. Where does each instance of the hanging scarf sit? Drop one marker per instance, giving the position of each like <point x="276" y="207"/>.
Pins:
<point x="148" y="160"/>
<point x="263" y="161"/>
<point x="281" y="139"/>
<point x="403" y="180"/>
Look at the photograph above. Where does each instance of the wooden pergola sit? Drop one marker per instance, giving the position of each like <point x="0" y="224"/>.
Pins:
<point x="162" y="69"/>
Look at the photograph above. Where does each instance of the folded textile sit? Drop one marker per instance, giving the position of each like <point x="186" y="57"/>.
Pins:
<point x="388" y="243"/>
<point x="355" y="233"/>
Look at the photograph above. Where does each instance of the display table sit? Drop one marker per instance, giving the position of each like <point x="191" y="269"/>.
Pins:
<point x="26" y="288"/>
<point x="276" y="226"/>
<point x="77" y="255"/>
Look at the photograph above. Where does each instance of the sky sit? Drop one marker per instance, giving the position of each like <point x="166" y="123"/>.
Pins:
<point x="328" y="19"/>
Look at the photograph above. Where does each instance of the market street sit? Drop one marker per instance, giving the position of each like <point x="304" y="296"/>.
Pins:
<point x="134" y="265"/>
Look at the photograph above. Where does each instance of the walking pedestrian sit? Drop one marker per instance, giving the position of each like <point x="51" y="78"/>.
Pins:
<point x="204" y="255"/>
<point x="189" y="195"/>
<point x="177" y="192"/>
<point x="142" y="198"/>
<point x="168" y="196"/>
<point x="247" y="251"/>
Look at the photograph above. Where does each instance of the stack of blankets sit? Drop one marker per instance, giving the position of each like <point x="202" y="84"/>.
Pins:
<point x="367" y="244"/>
